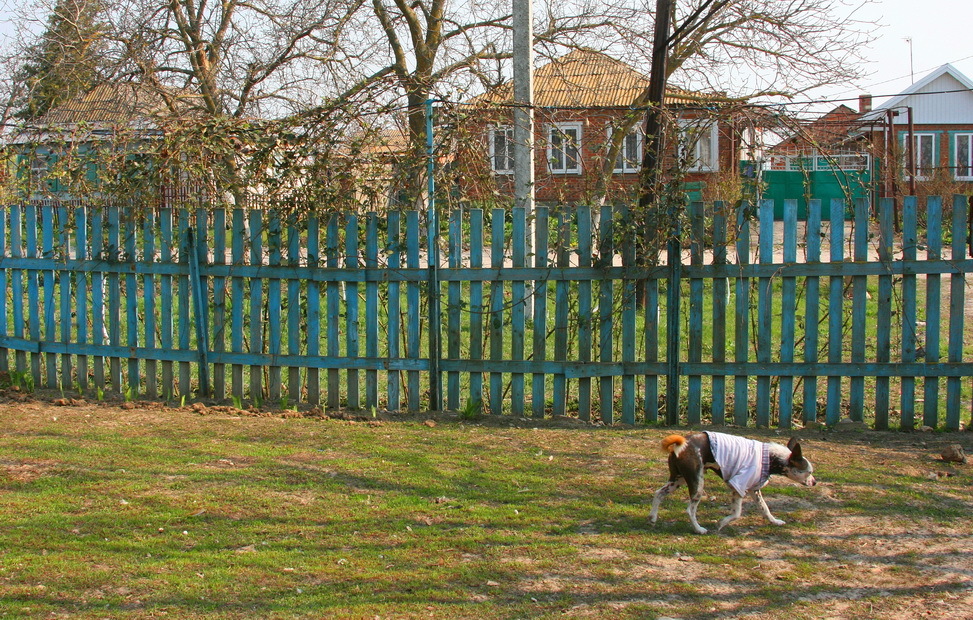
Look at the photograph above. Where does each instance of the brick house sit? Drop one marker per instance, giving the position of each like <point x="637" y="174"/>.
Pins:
<point x="923" y="136"/>
<point x="581" y="100"/>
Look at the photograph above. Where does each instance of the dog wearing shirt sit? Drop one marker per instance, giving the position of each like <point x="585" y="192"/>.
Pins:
<point x="744" y="464"/>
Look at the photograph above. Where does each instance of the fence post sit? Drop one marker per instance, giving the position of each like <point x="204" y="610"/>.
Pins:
<point x="674" y="258"/>
<point x="202" y="342"/>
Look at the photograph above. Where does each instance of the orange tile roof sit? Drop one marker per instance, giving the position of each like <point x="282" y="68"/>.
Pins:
<point x="589" y="79"/>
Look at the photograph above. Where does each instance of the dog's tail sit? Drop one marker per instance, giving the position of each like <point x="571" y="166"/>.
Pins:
<point x="674" y="444"/>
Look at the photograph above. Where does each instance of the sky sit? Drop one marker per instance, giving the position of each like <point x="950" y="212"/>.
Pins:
<point x="939" y="31"/>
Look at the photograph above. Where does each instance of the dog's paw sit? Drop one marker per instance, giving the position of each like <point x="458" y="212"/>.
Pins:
<point x="778" y="522"/>
<point x="702" y="530"/>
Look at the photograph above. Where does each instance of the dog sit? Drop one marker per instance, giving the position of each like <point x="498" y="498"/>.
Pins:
<point x="744" y="464"/>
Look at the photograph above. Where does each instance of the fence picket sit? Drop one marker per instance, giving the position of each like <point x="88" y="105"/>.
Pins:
<point x="218" y="338"/>
<point x="314" y="308"/>
<point x="413" y="312"/>
<point x="629" y="316"/>
<point x="957" y="309"/>
<point x="694" y="350"/>
<point x="788" y="315"/>
<point x="132" y="301"/>
<point x="394" y="300"/>
<point x="237" y="259"/>
<point x="720" y="299"/>
<point x="856" y="398"/>
<point x="606" y="313"/>
<point x="883" y="322"/>
<point x="476" y="307"/>
<point x="765" y="313"/>
<point x="97" y="252"/>
<point x="274" y="306"/>
<point x="539" y="329"/>
<point x="165" y="314"/>
<point x="50" y="320"/>
<point x="812" y="308"/>
<point x="185" y="326"/>
<point x="454" y="308"/>
<point x="561" y="303"/>
<point x="33" y="293"/>
<point x="256" y="304"/>
<point x="934" y="244"/>
<point x="352" y="323"/>
<point x="585" y="316"/>
<point x="148" y="301"/>
<point x="909" y="320"/>
<point x="371" y="309"/>
<point x="741" y="404"/>
<point x="4" y="352"/>
<point x="518" y="244"/>
<point x="496" y="310"/>
<point x="835" y="315"/>
<point x="114" y="255"/>
<point x="65" y="281"/>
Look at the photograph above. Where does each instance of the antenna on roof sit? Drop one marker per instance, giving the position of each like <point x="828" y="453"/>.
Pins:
<point x="912" y="75"/>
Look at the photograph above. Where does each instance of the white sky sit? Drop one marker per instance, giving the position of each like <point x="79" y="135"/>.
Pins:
<point x="940" y="31"/>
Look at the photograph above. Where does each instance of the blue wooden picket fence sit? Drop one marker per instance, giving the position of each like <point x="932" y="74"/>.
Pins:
<point x="341" y="310"/>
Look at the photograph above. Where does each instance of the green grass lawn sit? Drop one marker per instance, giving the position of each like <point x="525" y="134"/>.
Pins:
<point x="152" y="512"/>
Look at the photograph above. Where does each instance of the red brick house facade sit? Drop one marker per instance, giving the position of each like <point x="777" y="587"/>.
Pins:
<point x="581" y="101"/>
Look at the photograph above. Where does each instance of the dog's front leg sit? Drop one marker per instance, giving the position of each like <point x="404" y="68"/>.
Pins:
<point x="766" y="509"/>
<point x="736" y="507"/>
<point x="660" y="495"/>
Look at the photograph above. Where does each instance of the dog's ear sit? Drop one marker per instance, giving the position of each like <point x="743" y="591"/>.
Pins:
<point x="795" y="447"/>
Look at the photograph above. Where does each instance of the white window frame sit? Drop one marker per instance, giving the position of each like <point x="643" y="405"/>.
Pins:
<point x="631" y="162"/>
<point x="703" y="128"/>
<point x="917" y="145"/>
<point x="554" y="130"/>
<point x="968" y="164"/>
<point x="508" y="133"/>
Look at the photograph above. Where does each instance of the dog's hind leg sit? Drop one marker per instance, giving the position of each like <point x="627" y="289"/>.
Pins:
<point x="736" y="507"/>
<point x="695" y="496"/>
<point x="766" y="509"/>
<point x="660" y="495"/>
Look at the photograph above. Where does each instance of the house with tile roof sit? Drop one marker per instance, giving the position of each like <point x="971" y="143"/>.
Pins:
<point x="581" y="101"/>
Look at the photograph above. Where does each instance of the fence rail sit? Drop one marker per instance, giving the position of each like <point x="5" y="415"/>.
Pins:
<point x="825" y="320"/>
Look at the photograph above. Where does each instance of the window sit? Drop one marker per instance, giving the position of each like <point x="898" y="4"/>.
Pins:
<point x="699" y="145"/>
<point x="629" y="157"/>
<point x="963" y="156"/>
<point x="926" y="158"/>
<point x="564" y="148"/>
<point x="502" y="149"/>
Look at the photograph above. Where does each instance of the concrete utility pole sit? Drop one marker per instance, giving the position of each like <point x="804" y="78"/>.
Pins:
<point x="523" y="23"/>
<point x="523" y="20"/>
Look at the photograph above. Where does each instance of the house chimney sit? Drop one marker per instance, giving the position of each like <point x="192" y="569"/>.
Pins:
<point x="864" y="103"/>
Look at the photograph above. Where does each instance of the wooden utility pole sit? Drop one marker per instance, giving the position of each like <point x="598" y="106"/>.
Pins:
<point x="656" y="223"/>
<point x="651" y="155"/>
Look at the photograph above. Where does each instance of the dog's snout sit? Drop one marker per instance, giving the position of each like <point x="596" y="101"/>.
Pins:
<point x="811" y="481"/>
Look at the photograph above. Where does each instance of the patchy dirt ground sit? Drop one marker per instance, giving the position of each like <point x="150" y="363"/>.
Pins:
<point x="887" y="533"/>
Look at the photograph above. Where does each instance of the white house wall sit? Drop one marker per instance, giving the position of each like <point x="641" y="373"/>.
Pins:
<point x="933" y="104"/>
